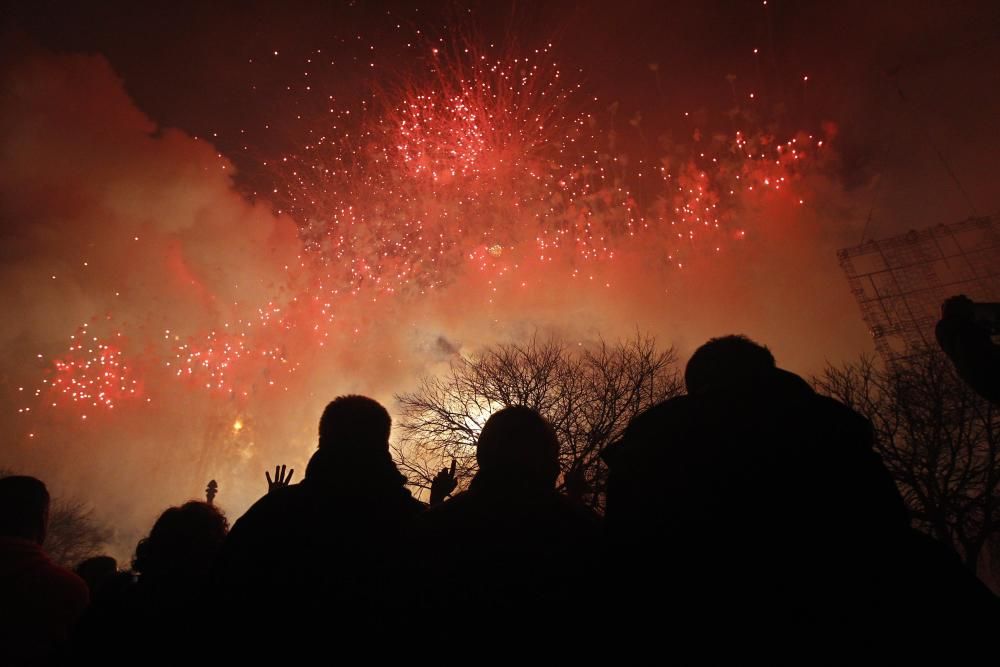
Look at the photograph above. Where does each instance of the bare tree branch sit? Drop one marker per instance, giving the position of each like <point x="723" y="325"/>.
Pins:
<point x="588" y="393"/>
<point x="74" y="533"/>
<point x="939" y="440"/>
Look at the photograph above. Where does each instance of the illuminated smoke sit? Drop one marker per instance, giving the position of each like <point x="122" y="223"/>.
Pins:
<point x="170" y="332"/>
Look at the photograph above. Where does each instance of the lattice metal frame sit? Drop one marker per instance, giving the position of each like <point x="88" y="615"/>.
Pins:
<point x="900" y="282"/>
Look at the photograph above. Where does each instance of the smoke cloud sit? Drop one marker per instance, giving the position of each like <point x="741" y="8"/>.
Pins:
<point x="122" y="233"/>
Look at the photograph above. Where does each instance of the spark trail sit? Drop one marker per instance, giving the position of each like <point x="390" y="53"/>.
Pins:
<point x="483" y="162"/>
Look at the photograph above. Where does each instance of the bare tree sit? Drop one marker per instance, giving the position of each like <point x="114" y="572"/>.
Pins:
<point x="74" y="533"/>
<point x="588" y="393"/>
<point x="938" y="438"/>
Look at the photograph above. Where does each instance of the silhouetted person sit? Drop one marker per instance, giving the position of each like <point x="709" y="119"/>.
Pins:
<point x="96" y="571"/>
<point x="510" y="551"/>
<point x="180" y="549"/>
<point x="39" y="601"/>
<point x="164" y="605"/>
<point x="968" y="344"/>
<point x="323" y="556"/>
<point x="755" y="501"/>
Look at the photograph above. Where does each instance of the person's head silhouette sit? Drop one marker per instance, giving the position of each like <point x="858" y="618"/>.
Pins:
<point x="96" y="571"/>
<point x="184" y="540"/>
<point x="353" y="443"/>
<point x="519" y="446"/>
<point x="354" y="422"/>
<point x="729" y="361"/>
<point x="24" y="508"/>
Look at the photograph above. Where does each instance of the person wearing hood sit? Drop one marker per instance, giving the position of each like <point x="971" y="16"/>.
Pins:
<point x="753" y="499"/>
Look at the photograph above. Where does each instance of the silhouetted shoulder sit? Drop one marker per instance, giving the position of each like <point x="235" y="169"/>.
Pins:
<point x="272" y="506"/>
<point x="457" y="503"/>
<point x="465" y="506"/>
<point x="649" y="429"/>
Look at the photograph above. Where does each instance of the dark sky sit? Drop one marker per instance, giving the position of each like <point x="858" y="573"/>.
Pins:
<point x="912" y="86"/>
<point x="109" y="219"/>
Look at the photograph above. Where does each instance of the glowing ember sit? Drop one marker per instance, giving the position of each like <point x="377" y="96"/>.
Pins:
<point x="91" y="374"/>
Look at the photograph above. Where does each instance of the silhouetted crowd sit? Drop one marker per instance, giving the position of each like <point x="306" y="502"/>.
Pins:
<point x="750" y="503"/>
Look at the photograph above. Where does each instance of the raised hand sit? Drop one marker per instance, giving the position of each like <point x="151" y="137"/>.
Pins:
<point x="280" y="479"/>
<point x="443" y="484"/>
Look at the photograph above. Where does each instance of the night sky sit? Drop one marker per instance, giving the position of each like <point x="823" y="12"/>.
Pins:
<point x="186" y="65"/>
<point x="143" y="144"/>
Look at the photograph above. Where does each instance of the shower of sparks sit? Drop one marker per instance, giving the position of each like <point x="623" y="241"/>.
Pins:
<point x="91" y="374"/>
<point x="483" y="155"/>
<point x="485" y="161"/>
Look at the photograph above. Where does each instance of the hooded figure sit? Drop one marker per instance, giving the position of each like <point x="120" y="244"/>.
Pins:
<point x="753" y="499"/>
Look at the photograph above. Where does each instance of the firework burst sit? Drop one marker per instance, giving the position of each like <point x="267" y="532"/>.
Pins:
<point x="480" y="161"/>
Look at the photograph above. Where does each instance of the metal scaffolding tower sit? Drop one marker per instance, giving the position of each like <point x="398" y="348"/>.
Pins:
<point x="900" y="282"/>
